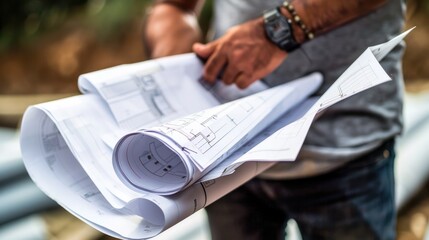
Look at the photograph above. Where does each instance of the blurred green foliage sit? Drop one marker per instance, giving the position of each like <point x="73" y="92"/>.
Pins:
<point x="20" y="20"/>
<point x="23" y="20"/>
<point x="206" y="15"/>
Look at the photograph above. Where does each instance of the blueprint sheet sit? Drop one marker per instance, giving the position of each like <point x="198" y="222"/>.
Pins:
<point x="154" y="122"/>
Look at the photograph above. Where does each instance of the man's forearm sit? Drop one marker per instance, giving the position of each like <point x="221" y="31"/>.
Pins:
<point x="187" y="5"/>
<point x="171" y="27"/>
<point x="322" y="16"/>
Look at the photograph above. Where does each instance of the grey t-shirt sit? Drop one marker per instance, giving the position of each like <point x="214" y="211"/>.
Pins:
<point x="355" y="126"/>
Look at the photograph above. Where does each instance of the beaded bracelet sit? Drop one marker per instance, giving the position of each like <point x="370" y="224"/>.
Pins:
<point x="288" y="6"/>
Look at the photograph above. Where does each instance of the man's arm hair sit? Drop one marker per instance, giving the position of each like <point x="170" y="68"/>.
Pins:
<point x="324" y="15"/>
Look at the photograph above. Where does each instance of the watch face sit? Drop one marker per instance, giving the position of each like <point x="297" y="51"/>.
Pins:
<point x="278" y="30"/>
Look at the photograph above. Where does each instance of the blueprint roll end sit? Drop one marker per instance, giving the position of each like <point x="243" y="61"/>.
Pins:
<point x="146" y="163"/>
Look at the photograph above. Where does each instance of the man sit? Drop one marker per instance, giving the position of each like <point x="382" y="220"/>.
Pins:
<point x="342" y="184"/>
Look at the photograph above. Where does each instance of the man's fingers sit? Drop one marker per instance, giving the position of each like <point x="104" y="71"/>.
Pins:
<point x="230" y="74"/>
<point x="243" y="80"/>
<point x="215" y="59"/>
<point x="204" y="50"/>
<point x="214" y="65"/>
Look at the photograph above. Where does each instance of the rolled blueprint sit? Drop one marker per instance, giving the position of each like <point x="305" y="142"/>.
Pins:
<point x="170" y="157"/>
<point x="138" y="133"/>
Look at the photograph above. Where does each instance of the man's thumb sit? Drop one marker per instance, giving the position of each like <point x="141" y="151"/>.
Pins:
<point x="203" y="50"/>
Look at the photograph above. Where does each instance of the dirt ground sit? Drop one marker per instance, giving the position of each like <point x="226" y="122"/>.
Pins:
<point x="53" y="62"/>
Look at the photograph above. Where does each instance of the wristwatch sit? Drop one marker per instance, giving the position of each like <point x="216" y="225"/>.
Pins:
<point x="279" y="30"/>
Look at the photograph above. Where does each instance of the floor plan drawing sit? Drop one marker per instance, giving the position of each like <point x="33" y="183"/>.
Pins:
<point x="142" y="91"/>
<point x="358" y="80"/>
<point x="206" y="129"/>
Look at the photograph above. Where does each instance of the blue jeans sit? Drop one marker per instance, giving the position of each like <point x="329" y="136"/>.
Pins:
<point x="355" y="201"/>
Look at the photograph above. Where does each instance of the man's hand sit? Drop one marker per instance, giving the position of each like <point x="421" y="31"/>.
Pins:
<point x="244" y="54"/>
<point x="170" y="30"/>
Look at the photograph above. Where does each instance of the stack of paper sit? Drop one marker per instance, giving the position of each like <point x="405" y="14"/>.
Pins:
<point x="148" y="144"/>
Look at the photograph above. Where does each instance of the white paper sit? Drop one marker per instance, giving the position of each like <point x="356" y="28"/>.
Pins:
<point x="381" y="50"/>
<point x="176" y="154"/>
<point x="68" y="145"/>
